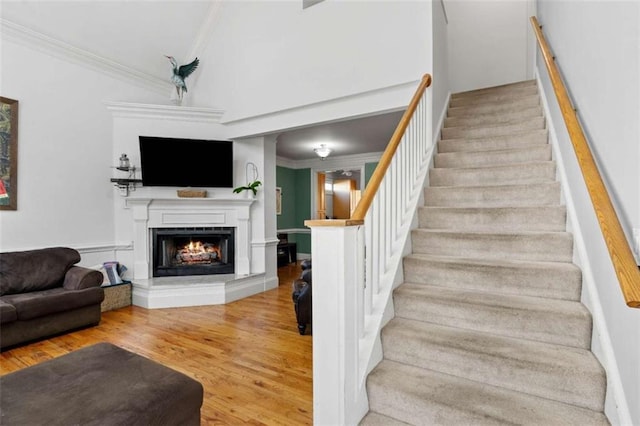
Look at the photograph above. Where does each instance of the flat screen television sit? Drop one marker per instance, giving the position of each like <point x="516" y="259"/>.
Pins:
<point x="186" y="162"/>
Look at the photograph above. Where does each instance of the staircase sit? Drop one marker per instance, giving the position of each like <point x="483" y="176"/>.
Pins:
<point x="488" y="325"/>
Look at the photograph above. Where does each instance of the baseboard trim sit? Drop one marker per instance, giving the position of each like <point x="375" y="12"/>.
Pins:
<point x="178" y="292"/>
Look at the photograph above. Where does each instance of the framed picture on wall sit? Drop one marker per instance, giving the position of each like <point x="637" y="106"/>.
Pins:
<point x="278" y="200"/>
<point x="8" y="154"/>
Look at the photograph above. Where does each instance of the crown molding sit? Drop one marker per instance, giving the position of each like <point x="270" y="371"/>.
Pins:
<point x="164" y="112"/>
<point x="58" y="48"/>
<point x="286" y="162"/>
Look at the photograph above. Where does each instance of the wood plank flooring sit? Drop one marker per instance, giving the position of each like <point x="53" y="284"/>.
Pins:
<point x="254" y="365"/>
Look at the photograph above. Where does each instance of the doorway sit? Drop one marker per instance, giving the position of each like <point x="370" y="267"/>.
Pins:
<point x="337" y="194"/>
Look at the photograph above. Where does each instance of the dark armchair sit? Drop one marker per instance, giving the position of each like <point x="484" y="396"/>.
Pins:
<point x="302" y="297"/>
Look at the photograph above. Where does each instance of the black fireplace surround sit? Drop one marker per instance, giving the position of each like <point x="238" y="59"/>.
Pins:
<point x="193" y="251"/>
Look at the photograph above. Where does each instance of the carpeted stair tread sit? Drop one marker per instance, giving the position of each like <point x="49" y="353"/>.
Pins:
<point x="492" y="129"/>
<point x="546" y="218"/>
<point x="508" y="117"/>
<point x="488" y="325"/>
<point x="505" y="96"/>
<point x="497" y="106"/>
<point x="425" y="397"/>
<point x="499" y="157"/>
<point x="534" y="194"/>
<point x="515" y="140"/>
<point x="561" y="322"/>
<point x="503" y="88"/>
<point x="522" y="173"/>
<point x="536" y="246"/>
<point x="561" y="373"/>
<point x="557" y="280"/>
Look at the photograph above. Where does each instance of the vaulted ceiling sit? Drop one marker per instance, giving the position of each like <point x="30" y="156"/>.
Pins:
<point x="137" y="34"/>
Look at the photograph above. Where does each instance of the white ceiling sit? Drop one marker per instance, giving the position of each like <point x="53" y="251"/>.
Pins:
<point x="359" y="136"/>
<point x="137" y="34"/>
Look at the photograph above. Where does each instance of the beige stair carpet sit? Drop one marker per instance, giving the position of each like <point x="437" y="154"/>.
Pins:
<point x="488" y="325"/>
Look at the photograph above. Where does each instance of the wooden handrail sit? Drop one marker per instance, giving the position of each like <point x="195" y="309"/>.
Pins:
<point x="381" y="169"/>
<point x="619" y="250"/>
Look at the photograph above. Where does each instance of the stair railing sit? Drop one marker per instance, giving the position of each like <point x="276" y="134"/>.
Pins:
<point x="621" y="255"/>
<point x="356" y="264"/>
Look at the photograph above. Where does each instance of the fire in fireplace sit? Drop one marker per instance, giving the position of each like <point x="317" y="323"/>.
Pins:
<point x="192" y="251"/>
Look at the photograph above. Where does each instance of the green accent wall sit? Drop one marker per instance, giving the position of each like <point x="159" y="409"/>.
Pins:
<point x="296" y="203"/>
<point x="286" y="180"/>
<point x="368" y="171"/>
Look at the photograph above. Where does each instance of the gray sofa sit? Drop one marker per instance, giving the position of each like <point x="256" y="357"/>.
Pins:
<point x="42" y="294"/>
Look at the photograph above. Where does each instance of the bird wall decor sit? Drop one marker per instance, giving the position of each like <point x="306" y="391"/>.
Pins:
<point x="180" y="74"/>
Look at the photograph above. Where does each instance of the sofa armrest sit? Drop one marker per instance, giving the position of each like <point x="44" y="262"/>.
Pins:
<point x="78" y="278"/>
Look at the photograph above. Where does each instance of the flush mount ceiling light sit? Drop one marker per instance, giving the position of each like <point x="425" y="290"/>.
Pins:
<point x="322" y="152"/>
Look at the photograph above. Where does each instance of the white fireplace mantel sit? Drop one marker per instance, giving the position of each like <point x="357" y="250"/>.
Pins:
<point x="174" y="212"/>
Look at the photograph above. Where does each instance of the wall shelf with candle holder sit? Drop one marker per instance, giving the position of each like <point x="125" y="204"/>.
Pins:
<point x="128" y="183"/>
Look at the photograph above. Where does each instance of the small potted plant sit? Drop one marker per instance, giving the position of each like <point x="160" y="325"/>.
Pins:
<point x="253" y="186"/>
<point x="250" y="170"/>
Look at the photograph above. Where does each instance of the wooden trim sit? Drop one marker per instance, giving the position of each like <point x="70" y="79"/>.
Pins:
<point x="381" y="169"/>
<point x="320" y="196"/>
<point x="621" y="256"/>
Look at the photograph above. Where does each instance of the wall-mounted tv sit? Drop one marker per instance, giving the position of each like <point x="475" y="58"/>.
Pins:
<point x="186" y="162"/>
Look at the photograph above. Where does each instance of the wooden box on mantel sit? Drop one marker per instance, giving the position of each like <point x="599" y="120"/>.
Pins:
<point x="116" y="296"/>
<point x="192" y="193"/>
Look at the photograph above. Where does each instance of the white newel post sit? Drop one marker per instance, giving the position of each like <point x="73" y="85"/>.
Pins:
<point x="336" y="253"/>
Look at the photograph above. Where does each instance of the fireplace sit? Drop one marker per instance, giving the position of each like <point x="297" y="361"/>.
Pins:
<point x="193" y="251"/>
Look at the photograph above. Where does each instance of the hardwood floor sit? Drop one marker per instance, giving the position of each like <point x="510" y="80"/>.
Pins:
<point x="253" y="364"/>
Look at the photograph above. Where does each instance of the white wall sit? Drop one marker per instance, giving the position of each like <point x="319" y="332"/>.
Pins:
<point x="269" y="56"/>
<point x="345" y="58"/>
<point x="597" y="50"/>
<point x="440" y="85"/>
<point x="487" y="43"/>
<point x="64" y="150"/>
